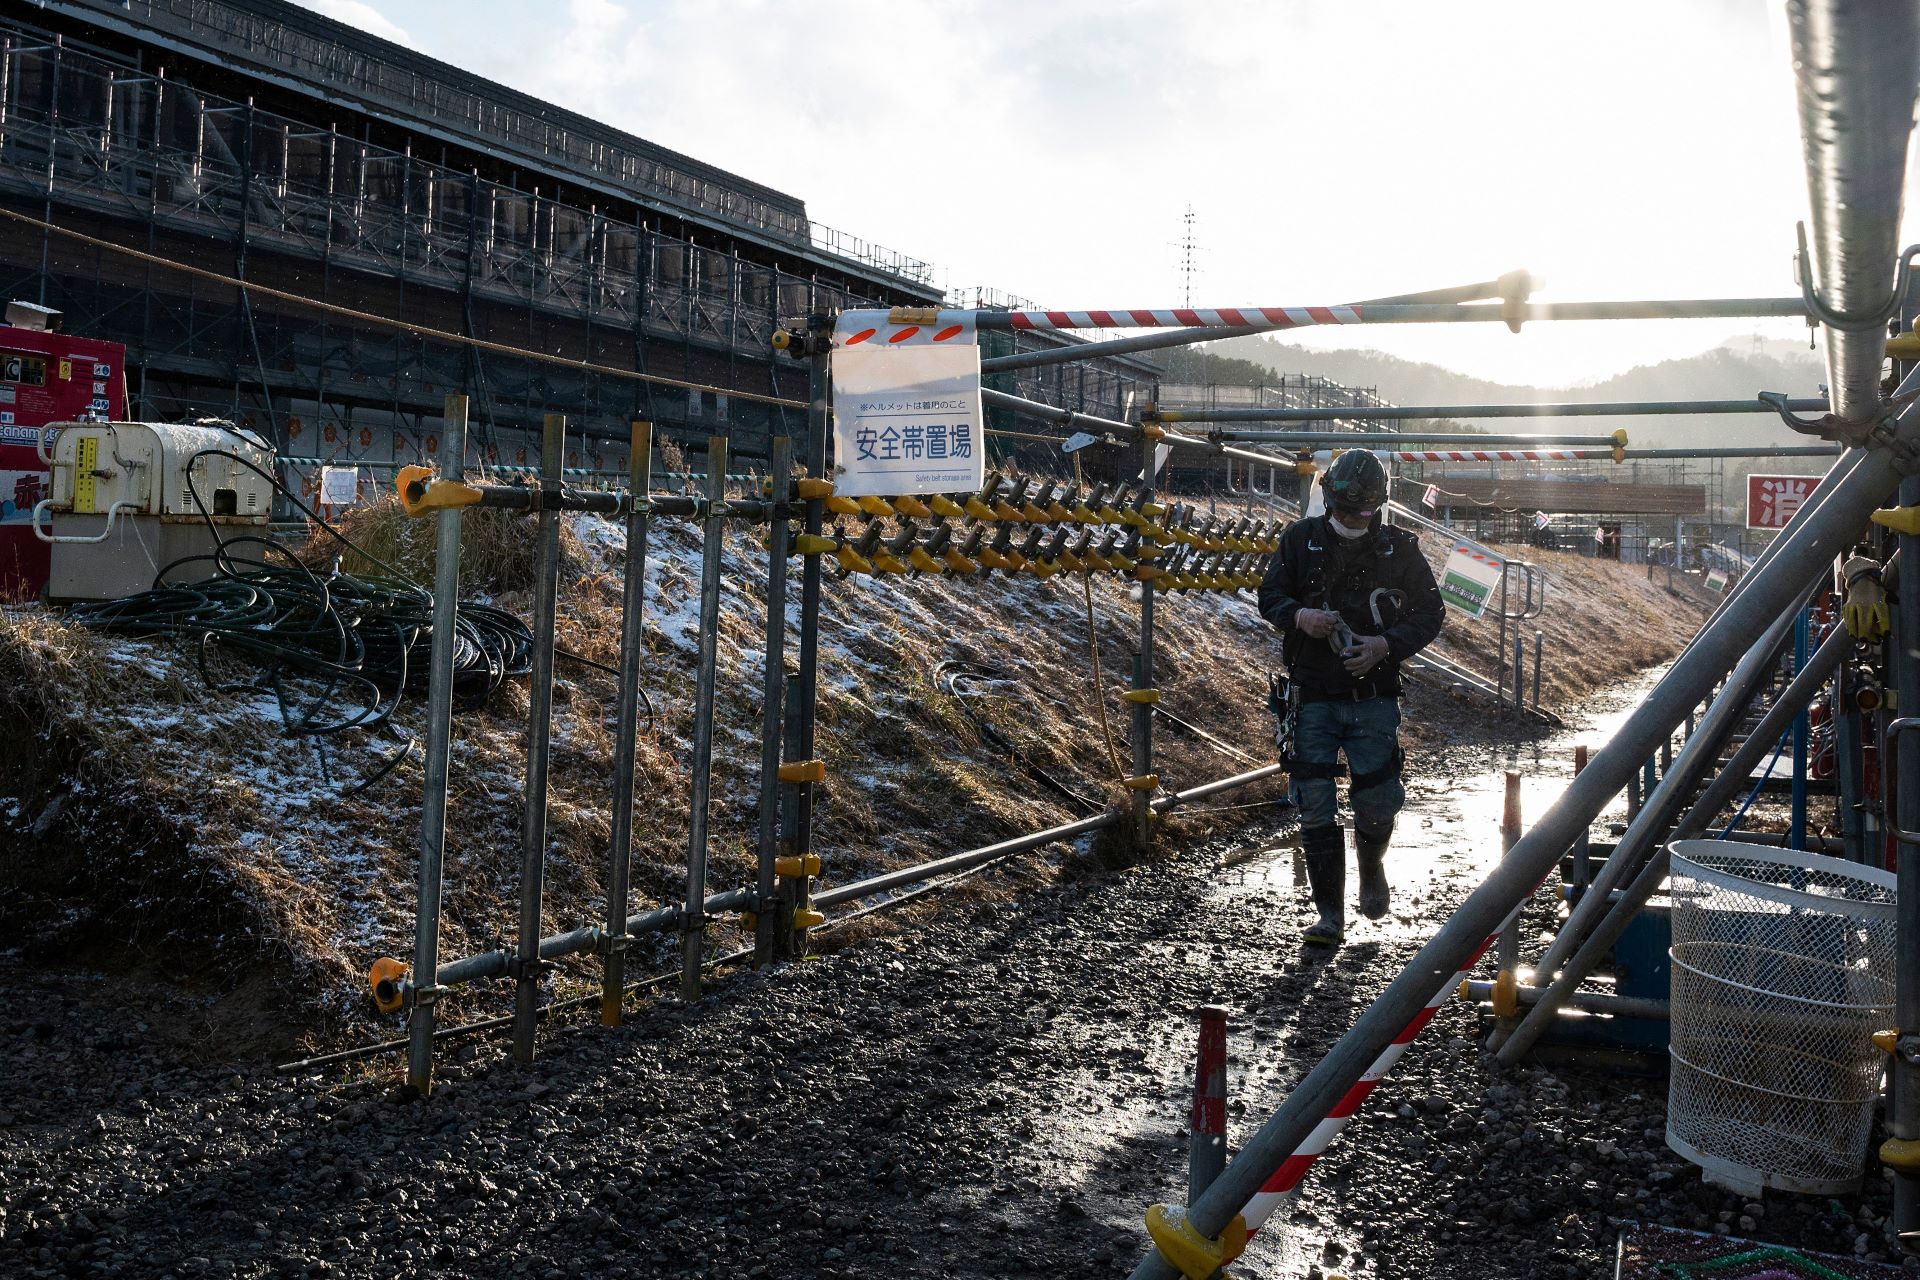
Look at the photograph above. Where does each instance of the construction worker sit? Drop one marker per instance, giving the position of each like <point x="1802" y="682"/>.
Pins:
<point x="1354" y="598"/>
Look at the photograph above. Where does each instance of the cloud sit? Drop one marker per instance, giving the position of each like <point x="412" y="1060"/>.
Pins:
<point x="360" y="15"/>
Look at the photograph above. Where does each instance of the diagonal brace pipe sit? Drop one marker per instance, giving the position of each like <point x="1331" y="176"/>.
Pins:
<point x="1806" y="553"/>
<point x="1738" y="773"/>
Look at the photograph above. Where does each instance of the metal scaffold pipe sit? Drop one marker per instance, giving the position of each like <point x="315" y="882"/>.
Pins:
<point x="439" y="732"/>
<point x="533" y="826"/>
<point x="1515" y="284"/>
<point x="1657" y="811"/>
<point x="1265" y="319"/>
<point x="1407" y="413"/>
<point x="1367" y="439"/>
<point x="1736" y="775"/>
<point x="1256" y="1182"/>
<point x="1855" y="63"/>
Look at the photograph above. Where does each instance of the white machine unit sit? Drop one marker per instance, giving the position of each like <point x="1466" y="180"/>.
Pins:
<point x="123" y="508"/>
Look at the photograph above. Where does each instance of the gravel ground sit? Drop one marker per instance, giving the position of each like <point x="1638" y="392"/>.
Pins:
<point x="986" y="1092"/>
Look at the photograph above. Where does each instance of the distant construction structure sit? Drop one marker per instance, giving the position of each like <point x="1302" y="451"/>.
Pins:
<point x="259" y="141"/>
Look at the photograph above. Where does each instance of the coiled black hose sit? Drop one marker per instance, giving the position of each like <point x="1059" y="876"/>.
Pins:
<point x="335" y="650"/>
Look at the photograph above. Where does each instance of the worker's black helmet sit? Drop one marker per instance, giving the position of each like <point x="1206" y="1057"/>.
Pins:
<point x="1356" y="480"/>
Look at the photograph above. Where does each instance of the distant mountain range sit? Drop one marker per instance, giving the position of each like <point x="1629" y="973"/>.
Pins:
<point x="1736" y="369"/>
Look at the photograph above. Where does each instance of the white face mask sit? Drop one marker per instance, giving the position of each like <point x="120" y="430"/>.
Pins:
<point x="1333" y="518"/>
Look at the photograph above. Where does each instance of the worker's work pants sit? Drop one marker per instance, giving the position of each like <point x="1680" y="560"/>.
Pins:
<point x="1369" y="733"/>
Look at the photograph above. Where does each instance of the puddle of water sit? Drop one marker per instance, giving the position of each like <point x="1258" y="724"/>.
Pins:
<point x="1450" y="828"/>
<point x="1447" y="838"/>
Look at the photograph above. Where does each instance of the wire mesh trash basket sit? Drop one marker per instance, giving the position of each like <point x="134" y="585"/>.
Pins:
<point x="1783" y="967"/>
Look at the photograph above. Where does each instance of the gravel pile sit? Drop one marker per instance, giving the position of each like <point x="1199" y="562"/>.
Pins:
<point x="992" y="1091"/>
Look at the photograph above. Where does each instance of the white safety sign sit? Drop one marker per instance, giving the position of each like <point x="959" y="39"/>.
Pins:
<point x="906" y="405"/>
<point x="339" y="486"/>
<point x="1468" y="580"/>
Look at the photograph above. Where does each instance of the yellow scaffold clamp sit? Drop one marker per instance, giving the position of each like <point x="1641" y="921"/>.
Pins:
<point x="1899" y="519"/>
<point x="1141" y="697"/>
<point x="796" y="865"/>
<point x="1506" y="994"/>
<point x="384" y="979"/>
<point x="1181" y="1243"/>
<point x="421" y="494"/>
<point x="908" y="505"/>
<point x="807" y="918"/>
<point x="1620" y="445"/>
<point x="1901" y="1153"/>
<point x="874" y="506"/>
<point x="800" y="771"/>
<point x="1142" y="782"/>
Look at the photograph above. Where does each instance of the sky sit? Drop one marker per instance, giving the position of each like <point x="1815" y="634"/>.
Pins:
<point x="1328" y="150"/>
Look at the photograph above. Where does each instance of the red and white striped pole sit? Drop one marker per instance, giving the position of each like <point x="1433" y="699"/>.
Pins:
<point x="1207" y="1118"/>
<point x="1294" y="1168"/>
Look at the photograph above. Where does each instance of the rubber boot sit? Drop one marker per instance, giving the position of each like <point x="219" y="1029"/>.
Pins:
<point x="1370" y="853"/>
<point x="1326" y="858"/>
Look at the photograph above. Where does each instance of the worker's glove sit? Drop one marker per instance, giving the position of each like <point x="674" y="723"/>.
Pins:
<point x="1364" y="654"/>
<point x="1865" y="612"/>
<point x="1318" y="623"/>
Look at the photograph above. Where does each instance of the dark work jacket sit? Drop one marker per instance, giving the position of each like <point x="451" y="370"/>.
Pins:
<point x="1311" y="570"/>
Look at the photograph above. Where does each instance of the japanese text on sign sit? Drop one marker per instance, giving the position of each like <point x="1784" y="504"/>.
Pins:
<point x="1772" y="501"/>
<point x="906" y="416"/>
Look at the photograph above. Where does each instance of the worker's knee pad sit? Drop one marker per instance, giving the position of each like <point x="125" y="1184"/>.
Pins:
<point x="1377" y="796"/>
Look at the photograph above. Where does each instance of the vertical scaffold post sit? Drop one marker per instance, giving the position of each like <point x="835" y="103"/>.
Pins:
<point x="627" y="729"/>
<point x="1539" y="643"/>
<point x="533" y="827"/>
<point x="1507" y="954"/>
<point x="1903" y="1109"/>
<point x="1207" y="1119"/>
<point x="693" y="922"/>
<point x="1500" y="646"/>
<point x="1582" y="843"/>
<point x="791" y="939"/>
<point x="1143" y="667"/>
<point x="1519" y="673"/>
<point x="433" y="803"/>
<point x="1802" y="726"/>
<point x="779" y="464"/>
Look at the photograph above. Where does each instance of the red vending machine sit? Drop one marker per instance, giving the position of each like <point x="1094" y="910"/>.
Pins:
<point x="45" y="377"/>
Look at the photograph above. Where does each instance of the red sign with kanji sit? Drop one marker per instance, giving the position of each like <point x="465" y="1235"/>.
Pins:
<point x="44" y="378"/>
<point x="1774" y="500"/>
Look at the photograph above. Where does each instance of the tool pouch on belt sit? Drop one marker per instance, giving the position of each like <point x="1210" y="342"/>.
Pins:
<point x="1283" y="701"/>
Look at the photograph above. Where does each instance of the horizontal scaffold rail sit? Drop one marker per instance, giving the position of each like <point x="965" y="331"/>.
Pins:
<point x="1404" y="413"/>
<point x="1512" y="314"/>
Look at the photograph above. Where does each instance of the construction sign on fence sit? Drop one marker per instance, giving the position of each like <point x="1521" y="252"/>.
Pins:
<point x="1774" y="500"/>
<point x="1716" y="580"/>
<point x="1470" y="575"/>
<point x="906" y="405"/>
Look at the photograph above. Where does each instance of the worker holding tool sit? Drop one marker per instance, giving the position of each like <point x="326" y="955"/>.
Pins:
<point x="1353" y="598"/>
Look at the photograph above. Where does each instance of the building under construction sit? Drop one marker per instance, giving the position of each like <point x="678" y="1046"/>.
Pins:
<point x="259" y="142"/>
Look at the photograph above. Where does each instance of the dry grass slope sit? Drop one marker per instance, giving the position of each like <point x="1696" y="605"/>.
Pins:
<point x="157" y="827"/>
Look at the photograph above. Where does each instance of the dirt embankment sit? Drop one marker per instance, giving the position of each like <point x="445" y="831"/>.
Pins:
<point x="158" y="829"/>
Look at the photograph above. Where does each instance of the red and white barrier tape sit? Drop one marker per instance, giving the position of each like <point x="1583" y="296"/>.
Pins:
<point x="1188" y="318"/>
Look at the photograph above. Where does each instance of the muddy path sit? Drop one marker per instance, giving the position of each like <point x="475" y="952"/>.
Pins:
<point x="995" y="1090"/>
